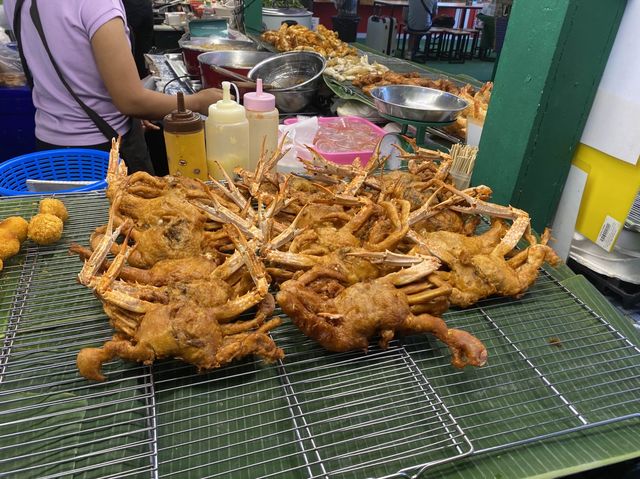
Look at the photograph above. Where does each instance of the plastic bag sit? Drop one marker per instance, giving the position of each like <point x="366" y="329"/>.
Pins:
<point x="299" y="135"/>
<point x="11" y="73"/>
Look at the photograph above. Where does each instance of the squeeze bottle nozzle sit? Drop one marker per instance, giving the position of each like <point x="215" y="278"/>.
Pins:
<point x="226" y="91"/>
<point x="227" y="110"/>
<point x="259" y="100"/>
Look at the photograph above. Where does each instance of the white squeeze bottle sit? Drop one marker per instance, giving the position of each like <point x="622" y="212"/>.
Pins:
<point x="227" y="131"/>
<point x="263" y="123"/>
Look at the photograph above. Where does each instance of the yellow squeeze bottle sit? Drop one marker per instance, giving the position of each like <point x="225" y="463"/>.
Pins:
<point x="184" y="142"/>
<point x="227" y="130"/>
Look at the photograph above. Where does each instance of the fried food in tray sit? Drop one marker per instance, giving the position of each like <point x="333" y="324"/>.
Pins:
<point x="299" y="38"/>
<point x="349" y="68"/>
<point x="353" y="255"/>
<point x="478" y="99"/>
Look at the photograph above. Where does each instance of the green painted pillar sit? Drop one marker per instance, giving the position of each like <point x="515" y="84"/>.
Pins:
<point x="253" y="16"/>
<point x="550" y="66"/>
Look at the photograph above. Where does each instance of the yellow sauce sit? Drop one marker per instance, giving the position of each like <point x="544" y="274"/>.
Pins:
<point x="186" y="154"/>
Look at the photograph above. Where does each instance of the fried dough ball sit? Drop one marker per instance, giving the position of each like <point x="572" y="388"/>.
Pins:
<point x="54" y="207"/>
<point x="9" y="244"/>
<point x="45" y="228"/>
<point x="17" y="225"/>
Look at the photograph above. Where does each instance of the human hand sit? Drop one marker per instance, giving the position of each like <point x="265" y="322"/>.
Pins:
<point x="206" y="97"/>
<point x="147" y="125"/>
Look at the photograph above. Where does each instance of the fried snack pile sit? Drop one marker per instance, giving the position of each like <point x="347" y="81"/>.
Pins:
<point x="356" y="255"/>
<point x="178" y="281"/>
<point x="297" y="38"/>
<point x="13" y="232"/>
<point x="44" y="228"/>
<point x="478" y="100"/>
<point x="351" y="67"/>
<point x="380" y="255"/>
<point x="345" y="64"/>
<point x="55" y="207"/>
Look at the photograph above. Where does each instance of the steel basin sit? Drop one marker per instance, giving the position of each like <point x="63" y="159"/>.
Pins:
<point x="296" y="77"/>
<point x="417" y="103"/>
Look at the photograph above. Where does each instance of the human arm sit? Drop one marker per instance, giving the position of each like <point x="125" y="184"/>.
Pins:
<point x="118" y="71"/>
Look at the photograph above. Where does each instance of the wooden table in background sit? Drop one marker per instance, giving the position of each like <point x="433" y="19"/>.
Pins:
<point x="459" y="8"/>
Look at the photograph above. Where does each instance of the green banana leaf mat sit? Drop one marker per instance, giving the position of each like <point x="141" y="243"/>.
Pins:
<point x="560" y="357"/>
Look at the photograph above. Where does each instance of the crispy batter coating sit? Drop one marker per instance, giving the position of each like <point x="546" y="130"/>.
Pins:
<point x="9" y="244"/>
<point x="16" y="224"/>
<point x="346" y="319"/>
<point x="350" y="67"/>
<point x="54" y="206"/>
<point x="45" y="229"/>
<point x="300" y="38"/>
<point x="360" y="254"/>
<point x="184" y="331"/>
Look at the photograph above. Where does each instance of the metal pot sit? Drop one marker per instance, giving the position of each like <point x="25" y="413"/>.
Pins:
<point x="236" y="61"/>
<point x="294" y="76"/>
<point x="272" y="18"/>
<point x="192" y="47"/>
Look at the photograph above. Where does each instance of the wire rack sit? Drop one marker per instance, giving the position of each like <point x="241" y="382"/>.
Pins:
<point x="633" y="219"/>
<point x="555" y="367"/>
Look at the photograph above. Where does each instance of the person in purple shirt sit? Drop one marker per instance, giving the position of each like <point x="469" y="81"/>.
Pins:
<point x="86" y="87"/>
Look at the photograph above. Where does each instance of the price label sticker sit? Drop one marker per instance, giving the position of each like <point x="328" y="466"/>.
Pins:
<point x="608" y="233"/>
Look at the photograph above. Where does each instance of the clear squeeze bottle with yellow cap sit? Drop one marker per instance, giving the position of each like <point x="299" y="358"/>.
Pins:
<point x="227" y="130"/>
<point x="184" y="142"/>
<point x="263" y="123"/>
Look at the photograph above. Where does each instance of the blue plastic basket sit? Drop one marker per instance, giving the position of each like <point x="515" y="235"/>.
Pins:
<point x="73" y="164"/>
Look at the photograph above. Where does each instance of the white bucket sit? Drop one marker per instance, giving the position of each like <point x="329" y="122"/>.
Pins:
<point x="175" y="19"/>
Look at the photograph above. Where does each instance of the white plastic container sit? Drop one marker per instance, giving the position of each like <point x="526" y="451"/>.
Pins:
<point x="227" y="132"/>
<point x="263" y="123"/>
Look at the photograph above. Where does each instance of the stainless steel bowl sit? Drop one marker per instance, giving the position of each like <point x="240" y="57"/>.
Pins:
<point x="417" y="103"/>
<point x="295" y="77"/>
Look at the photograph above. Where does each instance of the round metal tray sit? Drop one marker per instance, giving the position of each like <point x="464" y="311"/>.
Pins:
<point x="416" y="103"/>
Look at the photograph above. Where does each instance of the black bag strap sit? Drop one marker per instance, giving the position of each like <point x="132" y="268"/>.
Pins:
<point x="17" y="26"/>
<point x="100" y="122"/>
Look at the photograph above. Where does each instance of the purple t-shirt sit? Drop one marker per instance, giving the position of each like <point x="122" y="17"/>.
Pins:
<point x="69" y="26"/>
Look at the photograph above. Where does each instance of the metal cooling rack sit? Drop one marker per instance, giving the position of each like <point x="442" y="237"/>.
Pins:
<point x="555" y="367"/>
<point x="633" y="219"/>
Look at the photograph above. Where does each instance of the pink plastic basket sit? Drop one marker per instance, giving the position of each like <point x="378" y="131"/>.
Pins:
<point x="345" y="157"/>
